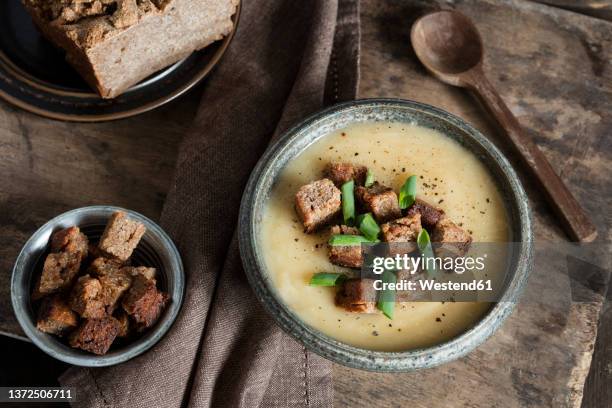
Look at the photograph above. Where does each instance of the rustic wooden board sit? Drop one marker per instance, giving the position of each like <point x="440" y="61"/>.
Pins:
<point x="49" y="167"/>
<point x="551" y="66"/>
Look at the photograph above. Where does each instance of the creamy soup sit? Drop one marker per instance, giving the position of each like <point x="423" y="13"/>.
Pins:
<point x="449" y="176"/>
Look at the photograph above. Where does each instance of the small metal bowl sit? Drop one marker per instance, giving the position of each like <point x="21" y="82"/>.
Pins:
<point x="155" y="249"/>
<point x="295" y="141"/>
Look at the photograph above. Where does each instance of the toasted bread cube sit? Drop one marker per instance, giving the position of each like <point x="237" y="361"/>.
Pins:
<point x="357" y="296"/>
<point x="95" y="335"/>
<point x="317" y="204"/>
<point x="121" y="236"/>
<point x="453" y="239"/>
<point x="143" y="302"/>
<point x="114" y="285"/>
<point x="349" y="256"/>
<point x="340" y="173"/>
<point x="381" y="201"/>
<point x="147" y="272"/>
<point x="59" y="271"/>
<point x="402" y="233"/>
<point x="124" y="323"/>
<point x="55" y="316"/>
<point x="430" y="215"/>
<point x="86" y="298"/>
<point x="104" y="266"/>
<point x="70" y="240"/>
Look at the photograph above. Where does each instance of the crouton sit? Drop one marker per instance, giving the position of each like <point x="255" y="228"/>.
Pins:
<point x="114" y="285"/>
<point x="381" y="201"/>
<point x="452" y="240"/>
<point x="317" y="204"/>
<point x="70" y="240"/>
<point x="86" y="298"/>
<point x="147" y="272"/>
<point x="143" y="302"/>
<point x="430" y="215"/>
<point x="95" y="335"/>
<point x="349" y="256"/>
<point x="357" y="295"/>
<point x="402" y="233"/>
<point x="104" y="266"/>
<point x="340" y="173"/>
<point x="59" y="271"/>
<point x="121" y="236"/>
<point x="124" y="323"/>
<point x="55" y="316"/>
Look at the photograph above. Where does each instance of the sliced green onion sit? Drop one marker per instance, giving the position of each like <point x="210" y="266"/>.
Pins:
<point x="348" y="202"/>
<point x="369" y="178"/>
<point x="408" y="192"/>
<point x="347" y="240"/>
<point x="424" y="244"/>
<point x="368" y="226"/>
<point x="327" y="279"/>
<point x="386" y="298"/>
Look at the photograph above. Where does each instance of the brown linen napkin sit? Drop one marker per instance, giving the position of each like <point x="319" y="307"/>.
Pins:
<point x="224" y="350"/>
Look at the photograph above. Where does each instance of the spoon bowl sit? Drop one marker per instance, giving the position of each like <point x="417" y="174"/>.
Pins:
<point x="448" y="44"/>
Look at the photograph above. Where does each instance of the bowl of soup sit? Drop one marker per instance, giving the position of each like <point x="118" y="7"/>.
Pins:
<point x="348" y="175"/>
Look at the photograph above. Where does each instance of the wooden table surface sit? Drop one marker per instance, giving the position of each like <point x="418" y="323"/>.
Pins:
<point x="551" y="66"/>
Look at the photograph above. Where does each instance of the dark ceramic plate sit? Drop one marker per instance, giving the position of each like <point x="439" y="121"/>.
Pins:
<point x="35" y="76"/>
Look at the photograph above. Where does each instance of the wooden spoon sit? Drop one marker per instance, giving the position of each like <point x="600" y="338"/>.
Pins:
<point x="449" y="46"/>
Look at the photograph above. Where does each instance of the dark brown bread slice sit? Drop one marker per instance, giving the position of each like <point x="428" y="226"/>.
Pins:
<point x="452" y="240"/>
<point x="357" y="295"/>
<point x="95" y="335"/>
<point x="349" y="256"/>
<point x="317" y="204"/>
<point x="121" y="236"/>
<point x="380" y="200"/>
<point x="430" y="215"/>
<point x="340" y="173"/>
<point x="115" y="44"/>
<point x="55" y="316"/>
<point x="143" y="302"/>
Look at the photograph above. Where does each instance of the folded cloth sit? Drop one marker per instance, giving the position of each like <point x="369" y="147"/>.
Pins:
<point x="288" y="59"/>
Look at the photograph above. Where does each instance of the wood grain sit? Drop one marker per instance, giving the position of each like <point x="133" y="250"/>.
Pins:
<point x="551" y="67"/>
<point x="538" y="59"/>
<point x="49" y="167"/>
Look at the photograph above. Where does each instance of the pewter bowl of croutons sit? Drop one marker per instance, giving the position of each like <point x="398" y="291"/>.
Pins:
<point x="404" y="178"/>
<point x="97" y="286"/>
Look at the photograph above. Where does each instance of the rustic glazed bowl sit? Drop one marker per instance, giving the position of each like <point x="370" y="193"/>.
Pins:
<point x="295" y="141"/>
<point x="155" y="249"/>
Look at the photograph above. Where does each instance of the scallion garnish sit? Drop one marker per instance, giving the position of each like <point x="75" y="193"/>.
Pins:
<point x="386" y="298"/>
<point x="424" y="244"/>
<point x="347" y="240"/>
<point x="407" y="193"/>
<point x="369" y="178"/>
<point x="368" y="226"/>
<point x="327" y="279"/>
<point x="348" y="202"/>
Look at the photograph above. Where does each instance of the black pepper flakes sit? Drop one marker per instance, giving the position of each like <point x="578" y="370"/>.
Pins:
<point x="438" y="319"/>
<point x="374" y="333"/>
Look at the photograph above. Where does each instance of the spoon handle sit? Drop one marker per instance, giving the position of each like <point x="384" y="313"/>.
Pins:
<point x="575" y="221"/>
